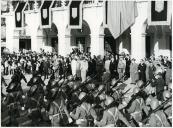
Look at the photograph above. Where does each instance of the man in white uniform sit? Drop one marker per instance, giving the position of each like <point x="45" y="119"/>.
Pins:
<point x="84" y="68"/>
<point x="73" y="66"/>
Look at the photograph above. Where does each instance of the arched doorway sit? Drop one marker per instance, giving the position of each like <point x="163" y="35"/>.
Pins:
<point x="80" y="38"/>
<point x="158" y="41"/>
<point x="48" y="39"/>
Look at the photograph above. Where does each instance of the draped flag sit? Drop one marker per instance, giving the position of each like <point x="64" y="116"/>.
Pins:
<point x="159" y="13"/>
<point x="119" y="16"/>
<point x="19" y="14"/>
<point x="75" y="14"/>
<point x="45" y="11"/>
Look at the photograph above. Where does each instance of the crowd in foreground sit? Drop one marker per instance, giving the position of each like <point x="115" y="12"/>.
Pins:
<point x="86" y="91"/>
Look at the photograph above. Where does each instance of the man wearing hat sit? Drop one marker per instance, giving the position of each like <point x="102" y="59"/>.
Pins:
<point x="158" y="118"/>
<point x="136" y="106"/>
<point x="58" y="113"/>
<point x="141" y="70"/>
<point x="133" y="71"/>
<point x="33" y="105"/>
<point x="168" y="107"/>
<point x="36" y="79"/>
<point x="13" y="101"/>
<point x="111" y="115"/>
<point x="159" y="84"/>
<point x="18" y="76"/>
<point x="83" y="111"/>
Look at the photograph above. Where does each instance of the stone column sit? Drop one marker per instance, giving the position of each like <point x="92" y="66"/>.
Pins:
<point x="101" y="44"/>
<point x="15" y="43"/>
<point x="68" y="43"/>
<point x="34" y="42"/>
<point x="61" y="44"/>
<point x="138" y="44"/>
<point x="97" y="44"/>
<point x="138" y="29"/>
<point x="10" y="31"/>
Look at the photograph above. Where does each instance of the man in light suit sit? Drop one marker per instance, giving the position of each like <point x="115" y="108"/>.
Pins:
<point x="121" y="67"/>
<point x="84" y="68"/>
<point x="133" y="71"/>
<point x="73" y="66"/>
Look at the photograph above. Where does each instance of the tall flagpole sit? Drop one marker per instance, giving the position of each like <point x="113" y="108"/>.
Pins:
<point x="120" y="32"/>
<point x="120" y="23"/>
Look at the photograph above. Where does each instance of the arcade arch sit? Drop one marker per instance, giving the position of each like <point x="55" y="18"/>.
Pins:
<point x="47" y="38"/>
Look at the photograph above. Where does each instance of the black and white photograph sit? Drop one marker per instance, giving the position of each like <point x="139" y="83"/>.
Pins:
<point x="86" y="63"/>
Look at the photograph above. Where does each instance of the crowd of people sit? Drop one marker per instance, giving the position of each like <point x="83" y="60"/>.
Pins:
<point x="86" y="91"/>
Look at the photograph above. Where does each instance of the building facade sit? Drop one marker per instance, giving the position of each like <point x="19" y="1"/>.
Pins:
<point x="139" y="40"/>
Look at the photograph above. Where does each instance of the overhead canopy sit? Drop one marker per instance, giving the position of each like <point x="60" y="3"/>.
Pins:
<point x="120" y="15"/>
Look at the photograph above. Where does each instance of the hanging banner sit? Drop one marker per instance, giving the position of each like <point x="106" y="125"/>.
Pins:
<point x="159" y="13"/>
<point x="19" y="14"/>
<point x="45" y="14"/>
<point x="75" y="14"/>
<point x="119" y="16"/>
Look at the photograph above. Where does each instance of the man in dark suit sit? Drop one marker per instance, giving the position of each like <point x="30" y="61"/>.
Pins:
<point x="127" y="69"/>
<point x="133" y="71"/>
<point x="113" y="67"/>
<point x="159" y="84"/>
<point x="141" y="70"/>
<point x="46" y="65"/>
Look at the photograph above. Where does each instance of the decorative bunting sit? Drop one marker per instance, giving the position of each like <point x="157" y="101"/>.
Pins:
<point x="119" y="16"/>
